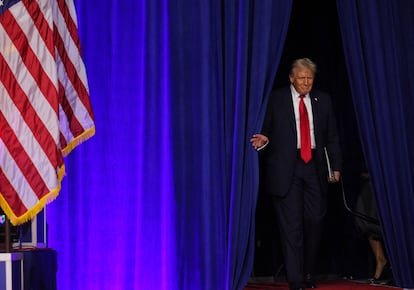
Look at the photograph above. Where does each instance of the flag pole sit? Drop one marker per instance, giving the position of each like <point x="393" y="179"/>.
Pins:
<point x="7" y="239"/>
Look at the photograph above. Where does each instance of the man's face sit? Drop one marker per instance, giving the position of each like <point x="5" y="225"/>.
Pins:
<point x="302" y="80"/>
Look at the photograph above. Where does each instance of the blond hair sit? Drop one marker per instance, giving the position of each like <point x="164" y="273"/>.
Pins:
<point x="303" y="63"/>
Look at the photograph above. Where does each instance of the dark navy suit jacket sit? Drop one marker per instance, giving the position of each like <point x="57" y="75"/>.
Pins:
<point x="280" y="155"/>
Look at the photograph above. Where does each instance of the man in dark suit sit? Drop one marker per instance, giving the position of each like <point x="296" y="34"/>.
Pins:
<point x="296" y="179"/>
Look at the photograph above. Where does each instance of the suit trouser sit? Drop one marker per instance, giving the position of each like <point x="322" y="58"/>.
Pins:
<point x="300" y="216"/>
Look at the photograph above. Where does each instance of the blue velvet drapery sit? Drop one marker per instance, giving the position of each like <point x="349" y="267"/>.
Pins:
<point x="164" y="195"/>
<point x="378" y="39"/>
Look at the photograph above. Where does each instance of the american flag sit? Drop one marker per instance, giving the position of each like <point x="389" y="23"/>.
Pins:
<point x="45" y="109"/>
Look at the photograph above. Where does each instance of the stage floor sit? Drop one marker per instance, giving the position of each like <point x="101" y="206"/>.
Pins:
<point x="268" y="283"/>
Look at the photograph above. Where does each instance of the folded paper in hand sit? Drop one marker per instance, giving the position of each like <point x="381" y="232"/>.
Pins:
<point x="328" y="164"/>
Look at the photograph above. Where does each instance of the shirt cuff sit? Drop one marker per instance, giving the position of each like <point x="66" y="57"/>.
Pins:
<point x="260" y="148"/>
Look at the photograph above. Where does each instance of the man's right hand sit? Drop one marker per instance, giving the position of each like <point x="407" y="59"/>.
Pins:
<point x="259" y="141"/>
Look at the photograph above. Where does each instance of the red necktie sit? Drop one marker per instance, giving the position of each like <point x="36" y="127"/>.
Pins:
<point x="305" y="140"/>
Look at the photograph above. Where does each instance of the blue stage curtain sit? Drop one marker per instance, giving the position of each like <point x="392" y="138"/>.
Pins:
<point x="378" y="39"/>
<point x="164" y="195"/>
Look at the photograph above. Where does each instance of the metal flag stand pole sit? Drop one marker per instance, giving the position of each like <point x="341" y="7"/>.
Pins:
<point x="7" y="239"/>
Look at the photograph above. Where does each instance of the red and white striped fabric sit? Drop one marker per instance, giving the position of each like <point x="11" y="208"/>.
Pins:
<point x="45" y="109"/>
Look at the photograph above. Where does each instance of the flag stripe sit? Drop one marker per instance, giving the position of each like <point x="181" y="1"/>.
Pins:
<point x="25" y="109"/>
<point x="72" y="81"/>
<point x="24" y="149"/>
<point x="70" y="21"/>
<point x="8" y="196"/>
<point x="67" y="113"/>
<point x="40" y="20"/>
<point x="22" y="159"/>
<point x="31" y="59"/>
<point x="68" y="47"/>
<point x="76" y="116"/>
<point x="16" y="181"/>
<point x="31" y="96"/>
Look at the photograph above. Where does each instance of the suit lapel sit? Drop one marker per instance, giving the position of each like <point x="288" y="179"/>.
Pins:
<point x="315" y="112"/>
<point x="290" y="110"/>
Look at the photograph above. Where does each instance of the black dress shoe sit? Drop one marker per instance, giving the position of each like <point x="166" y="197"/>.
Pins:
<point x="310" y="282"/>
<point x="296" y="286"/>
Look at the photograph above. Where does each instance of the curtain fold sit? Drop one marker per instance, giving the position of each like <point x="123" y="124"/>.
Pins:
<point x="254" y="37"/>
<point x="378" y="39"/>
<point x="164" y="195"/>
